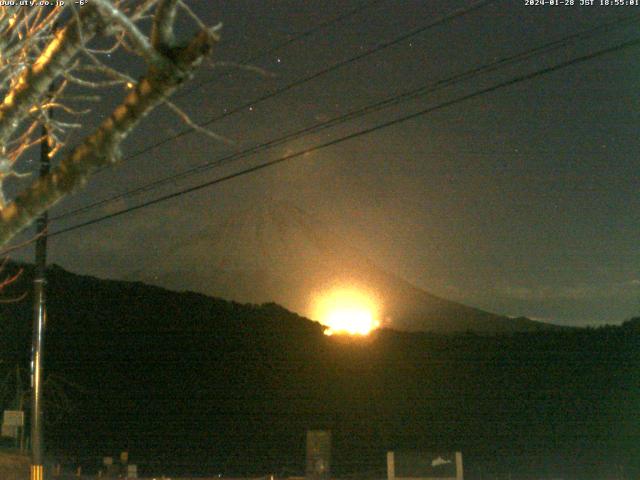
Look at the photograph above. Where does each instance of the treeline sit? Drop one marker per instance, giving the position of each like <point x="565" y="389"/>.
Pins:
<point x="191" y="384"/>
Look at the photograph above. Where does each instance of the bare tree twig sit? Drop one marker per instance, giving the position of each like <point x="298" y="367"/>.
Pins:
<point x="140" y="43"/>
<point x="251" y="68"/>
<point x="186" y="119"/>
<point x="162" y="36"/>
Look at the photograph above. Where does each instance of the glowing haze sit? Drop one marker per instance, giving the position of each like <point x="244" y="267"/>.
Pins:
<point x="346" y="311"/>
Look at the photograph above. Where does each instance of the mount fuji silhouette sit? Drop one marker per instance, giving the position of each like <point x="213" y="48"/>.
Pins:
<point x="277" y="252"/>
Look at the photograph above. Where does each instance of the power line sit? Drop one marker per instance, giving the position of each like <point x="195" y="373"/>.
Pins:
<point x="392" y="101"/>
<point x="296" y="38"/>
<point x="441" y="20"/>
<point x="262" y="166"/>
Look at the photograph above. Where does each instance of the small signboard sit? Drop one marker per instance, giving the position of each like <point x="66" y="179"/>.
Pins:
<point x="13" y="418"/>
<point x="9" y="431"/>
<point x="132" y="471"/>
<point x="424" y="466"/>
<point x="107" y="461"/>
<point x="318" y="455"/>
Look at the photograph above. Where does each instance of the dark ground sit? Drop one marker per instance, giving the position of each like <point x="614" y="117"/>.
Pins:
<point x="194" y="385"/>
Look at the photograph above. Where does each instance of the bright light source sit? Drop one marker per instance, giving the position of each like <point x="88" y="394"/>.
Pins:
<point x="347" y="311"/>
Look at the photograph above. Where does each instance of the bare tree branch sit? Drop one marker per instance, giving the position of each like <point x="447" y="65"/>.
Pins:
<point x="162" y="32"/>
<point x="139" y="41"/>
<point x="34" y="82"/>
<point x="103" y="146"/>
<point x="34" y="55"/>
<point x="186" y="119"/>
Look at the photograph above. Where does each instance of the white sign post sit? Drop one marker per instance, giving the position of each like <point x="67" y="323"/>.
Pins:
<point x="424" y="466"/>
<point x="12" y="421"/>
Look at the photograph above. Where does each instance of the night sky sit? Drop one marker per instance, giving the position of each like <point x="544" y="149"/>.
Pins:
<point x="521" y="201"/>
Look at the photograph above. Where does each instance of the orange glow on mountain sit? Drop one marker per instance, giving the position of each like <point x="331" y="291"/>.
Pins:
<point x="347" y="311"/>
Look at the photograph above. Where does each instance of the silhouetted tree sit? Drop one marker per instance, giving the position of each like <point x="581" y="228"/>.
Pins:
<point x="43" y="52"/>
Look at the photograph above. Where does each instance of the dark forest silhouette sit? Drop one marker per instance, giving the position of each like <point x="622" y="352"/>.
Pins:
<point x="190" y="383"/>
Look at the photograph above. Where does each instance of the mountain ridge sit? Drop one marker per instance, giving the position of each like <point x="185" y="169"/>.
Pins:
<point x="427" y="312"/>
<point x="277" y="252"/>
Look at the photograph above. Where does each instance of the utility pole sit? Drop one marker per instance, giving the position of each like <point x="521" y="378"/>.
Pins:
<point x="39" y="322"/>
<point x="19" y="407"/>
